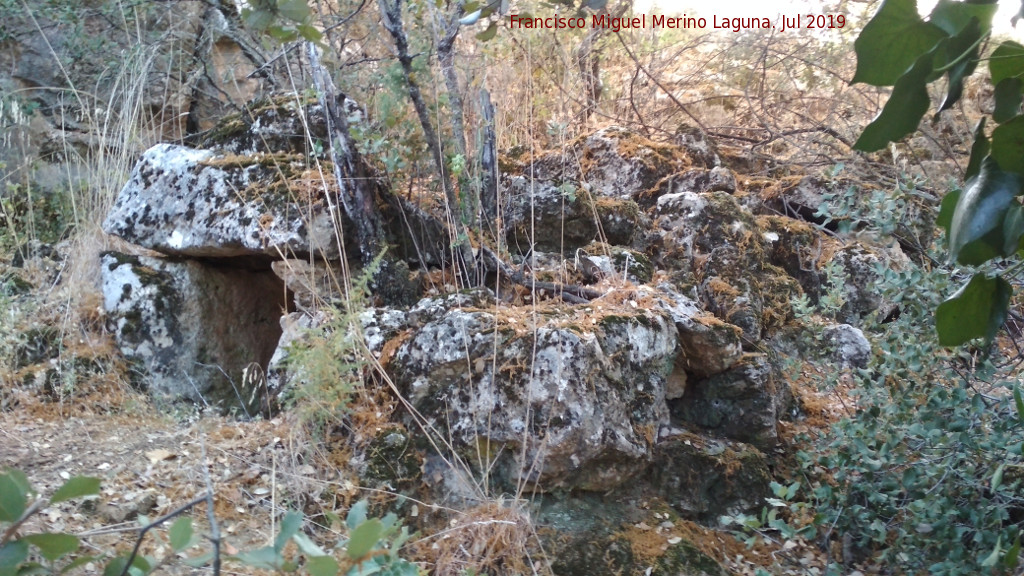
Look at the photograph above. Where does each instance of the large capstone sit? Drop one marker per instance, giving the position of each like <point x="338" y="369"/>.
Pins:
<point x="197" y="203"/>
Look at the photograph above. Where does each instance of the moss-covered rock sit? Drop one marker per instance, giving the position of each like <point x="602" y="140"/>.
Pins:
<point x="743" y="403"/>
<point x="391" y="460"/>
<point x="713" y="244"/>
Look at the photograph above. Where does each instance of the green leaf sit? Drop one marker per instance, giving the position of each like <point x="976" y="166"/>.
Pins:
<point x="357" y="514"/>
<point x="79" y="561"/>
<point x="993" y="558"/>
<point x="294" y="10"/>
<point x="976" y="311"/>
<point x="489" y="33"/>
<point x="53" y="546"/>
<point x="1012" y="557"/>
<point x="1013" y="229"/>
<point x="979" y="150"/>
<point x="290" y="524"/>
<point x="962" y="49"/>
<point x="116" y="566"/>
<point x="322" y="566"/>
<point x="258" y="19"/>
<point x="471" y="18"/>
<point x="903" y="112"/>
<point x="1018" y="401"/>
<point x="13" y="496"/>
<point x="997" y="477"/>
<point x="11" y="555"/>
<point x="946" y="209"/>
<point x="1008" y="145"/>
<point x="266" y="558"/>
<point x="953" y="17"/>
<point x="199" y="561"/>
<point x="32" y="568"/>
<point x="180" y="533"/>
<point x="1006" y="61"/>
<point x="892" y="41"/>
<point x="977" y="232"/>
<point x="309" y="32"/>
<point x="364" y="538"/>
<point x="307" y="546"/>
<point x="1008" y="98"/>
<point x="75" y="488"/>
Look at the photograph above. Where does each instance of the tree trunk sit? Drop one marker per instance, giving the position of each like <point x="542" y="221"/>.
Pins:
<point x="354" y="184"/>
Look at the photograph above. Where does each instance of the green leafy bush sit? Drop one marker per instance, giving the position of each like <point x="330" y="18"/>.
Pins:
<point x="985" y="220"/>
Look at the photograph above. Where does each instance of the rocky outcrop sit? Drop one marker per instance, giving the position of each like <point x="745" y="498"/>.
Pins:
<point x="656" y="384"/>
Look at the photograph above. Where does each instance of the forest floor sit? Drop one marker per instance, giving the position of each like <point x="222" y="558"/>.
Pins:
<point x="151" y="462"/>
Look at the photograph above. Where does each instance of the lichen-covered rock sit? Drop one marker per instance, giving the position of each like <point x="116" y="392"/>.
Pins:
<point x="701" y="149"/>
<point x="608" y="534"/>
<point x="574" y="403"/>
<point x="849" y="347"/>
<point x="378" y="326"/>
<point x="802" y="200"/>
<point x="708" y="345"/>
<point x="186" y="202"/>
<point x="614" y="162"/>
<point x="704" y="479"/>
<point x="714" y="247"/>
<point x="861" y="265"/>
<point x="714" y="180"/>
<point x="598" y="261"/>
<point x="799" y="249"/>
<point x="191" y="328"/>
<point x="390" y="459"/>
<point x="743" y="403"/>
<point x="564" y="216"/>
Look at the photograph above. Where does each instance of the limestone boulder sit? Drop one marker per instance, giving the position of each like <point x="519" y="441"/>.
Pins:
<point x="716" y="250"/>
<point x="614" y="162"/>
<point x="707" y="345"/>
<point x="743" y="403"/>
<point x="848" y="345"/>
<point x="574" y="402"/>
<point x="192" y="329"/>
<point x="198" y="203"/>
<point x="563" y="216"/>
<point x="718" y="179"/>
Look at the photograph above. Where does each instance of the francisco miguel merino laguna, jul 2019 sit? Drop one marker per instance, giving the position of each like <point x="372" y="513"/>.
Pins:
<point x="736" y="24"/>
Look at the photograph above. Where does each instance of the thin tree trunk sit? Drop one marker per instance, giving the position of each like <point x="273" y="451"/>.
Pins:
<point x="391" y="13"/>
<point x="488" y="164"/>
<point x="355" y="187"/>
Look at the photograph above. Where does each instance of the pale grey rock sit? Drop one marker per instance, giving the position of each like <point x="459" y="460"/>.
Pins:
<point x="708" y="345"/>
<point x="850" y="348"/>
<point x="566" y="405"/>
<point x="192" y="328"/>
<point x="186" y="202"/>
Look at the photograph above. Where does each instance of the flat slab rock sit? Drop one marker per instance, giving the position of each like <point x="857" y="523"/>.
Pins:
<point x="186" y="202"/>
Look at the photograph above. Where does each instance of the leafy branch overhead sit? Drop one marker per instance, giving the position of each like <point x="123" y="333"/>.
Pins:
<point x="985" y="221"/>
